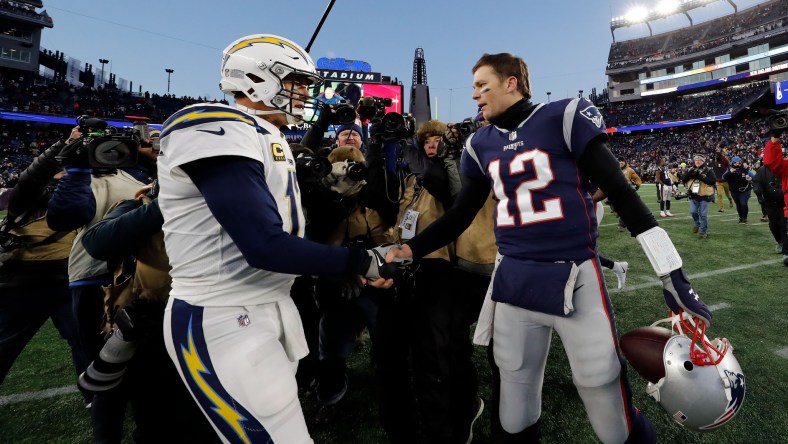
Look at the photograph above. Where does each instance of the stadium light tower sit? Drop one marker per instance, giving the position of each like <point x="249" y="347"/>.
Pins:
<point x="169" y="73"/>
<point x="580" y="96"/>
<point x="548" y="96"/>
<point x="103" y="62"/>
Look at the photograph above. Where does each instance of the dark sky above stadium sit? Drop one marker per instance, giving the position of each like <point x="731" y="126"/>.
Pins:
<point x="565" y="42"/>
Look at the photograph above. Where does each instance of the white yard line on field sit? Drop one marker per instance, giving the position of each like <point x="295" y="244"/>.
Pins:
<point x="33" y="396"/>
<point x="650" y="282"/>
<point x="704" y="274"/>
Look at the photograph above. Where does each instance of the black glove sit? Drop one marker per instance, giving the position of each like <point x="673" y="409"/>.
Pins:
<point x="679" y="294"/>
<point x="75" y="154"/>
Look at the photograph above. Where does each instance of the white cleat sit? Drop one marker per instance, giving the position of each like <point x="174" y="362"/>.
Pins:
<point x="620" y="269"/>
<point x="662" y="214"/>
<point x="668" y="213"/>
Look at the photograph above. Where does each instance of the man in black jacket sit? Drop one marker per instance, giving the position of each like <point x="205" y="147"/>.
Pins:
<point x="34" y="280"/>
<point x="769" y="187"/>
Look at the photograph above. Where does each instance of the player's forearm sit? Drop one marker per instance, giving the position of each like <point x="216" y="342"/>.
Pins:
<point x="238" y="197"/>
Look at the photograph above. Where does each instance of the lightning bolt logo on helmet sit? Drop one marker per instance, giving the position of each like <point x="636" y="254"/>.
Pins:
<point x="271" y="70"/>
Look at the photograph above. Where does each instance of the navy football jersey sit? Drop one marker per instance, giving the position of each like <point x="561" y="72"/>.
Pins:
<point x="544" y="210"/>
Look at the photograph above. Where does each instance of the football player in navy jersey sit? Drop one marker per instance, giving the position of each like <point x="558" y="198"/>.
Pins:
<point x="233" y="231"/>
<point x="538" y="159"/>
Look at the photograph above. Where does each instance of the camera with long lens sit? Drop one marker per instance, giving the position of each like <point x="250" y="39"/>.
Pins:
<point x="341" y="114"/>
<point x="312" y="167"/>
<point x="102" y="146"/>
<point x="107" y="370"/>
<point x="779" y="120"/>
<point x="394" y="126"/>
<point x="468" y="126"/>
<point x="455" y="136"/>
<point x="356" y="171"/>
<point x="373" y="108"/>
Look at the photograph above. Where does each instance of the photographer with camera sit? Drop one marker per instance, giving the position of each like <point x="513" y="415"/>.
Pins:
<point x="34" y="266"/>
<point x="720" y="166"/>
<point x="130" y="239"/>
<point x="337" y="215"/>
<point x="777" y="162"/>
<point x="445" y="380"/>
<point x="92" y="184"/>
<point x="700" y="180"/>
<point x="739" y="177"/>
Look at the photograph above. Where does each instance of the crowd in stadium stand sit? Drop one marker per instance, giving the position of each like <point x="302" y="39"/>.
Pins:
<point x="758" y="20"/>
<point x="21" y="141"/>
<point x="745" y="139"/>
<point x="44" y="96"/>
<point x="670" y="109"/>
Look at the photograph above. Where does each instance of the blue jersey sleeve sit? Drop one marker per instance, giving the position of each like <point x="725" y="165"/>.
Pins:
<point x="237" y="194"/>
<point x="470" y="164"/>
<point x="586" y="124"/>
<point x="73" y="204"/>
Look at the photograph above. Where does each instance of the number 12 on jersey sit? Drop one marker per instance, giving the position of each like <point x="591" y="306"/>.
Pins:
<point x="523" y="197"/>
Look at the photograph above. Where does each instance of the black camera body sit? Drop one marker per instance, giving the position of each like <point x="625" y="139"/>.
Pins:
<point x="779" y="120"/>
<point x="373" y="108"/>
<point x="342" y="114"/>
<point x="356" y="171"/>
<point x="468" y="126"/>
<point x="394" y="126"/>
<point x="102" y="146"/>
<point x="312" y="167"/>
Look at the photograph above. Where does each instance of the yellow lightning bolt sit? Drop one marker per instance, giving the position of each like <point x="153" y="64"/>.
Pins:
<point x="272" y="40"/>
<point x="206" y="115"/>
<point x="196" y="369"/>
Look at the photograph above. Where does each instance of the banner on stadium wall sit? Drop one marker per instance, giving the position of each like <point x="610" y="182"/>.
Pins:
<point x="72" y="72"/>
<point x="781" y="92"/>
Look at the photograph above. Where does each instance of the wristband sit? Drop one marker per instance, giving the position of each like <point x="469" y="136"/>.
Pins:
<point x="660" y="250"/>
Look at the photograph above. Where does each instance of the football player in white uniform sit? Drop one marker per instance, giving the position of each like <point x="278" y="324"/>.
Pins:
<point x="233" y="228"/>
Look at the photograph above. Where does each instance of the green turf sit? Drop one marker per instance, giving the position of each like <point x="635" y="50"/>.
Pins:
<point x="754" y="321"/>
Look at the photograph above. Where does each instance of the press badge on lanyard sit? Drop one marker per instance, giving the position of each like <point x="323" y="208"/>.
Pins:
<point x="408" y="224"/>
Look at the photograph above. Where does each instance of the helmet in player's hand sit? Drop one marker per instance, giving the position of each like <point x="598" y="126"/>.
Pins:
<point x="257" y="65"/>
<point x="702" y="386"/>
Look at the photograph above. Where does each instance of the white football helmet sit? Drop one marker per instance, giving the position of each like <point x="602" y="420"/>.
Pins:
<point x="703" y="387"/>
<point x="256" y="65"/>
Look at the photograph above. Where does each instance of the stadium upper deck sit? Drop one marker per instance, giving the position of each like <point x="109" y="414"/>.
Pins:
<point x="740" y="47"/>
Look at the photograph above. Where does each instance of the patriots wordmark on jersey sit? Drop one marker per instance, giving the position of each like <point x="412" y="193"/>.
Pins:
<point x="544" y="210"/>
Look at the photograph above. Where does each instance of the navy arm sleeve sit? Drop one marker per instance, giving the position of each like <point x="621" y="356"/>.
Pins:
<point x="600" y="166"/>
<point x="123" y="229"/>
<point x="451" y="225"/>
<point x="73" y="204"/>
<point x="237" y="195"/>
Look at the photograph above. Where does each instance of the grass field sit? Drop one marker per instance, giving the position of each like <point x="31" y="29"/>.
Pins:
<point x="735" y="270"/>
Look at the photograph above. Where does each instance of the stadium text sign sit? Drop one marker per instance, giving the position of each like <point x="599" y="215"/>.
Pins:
<point x="347" y="76"/>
